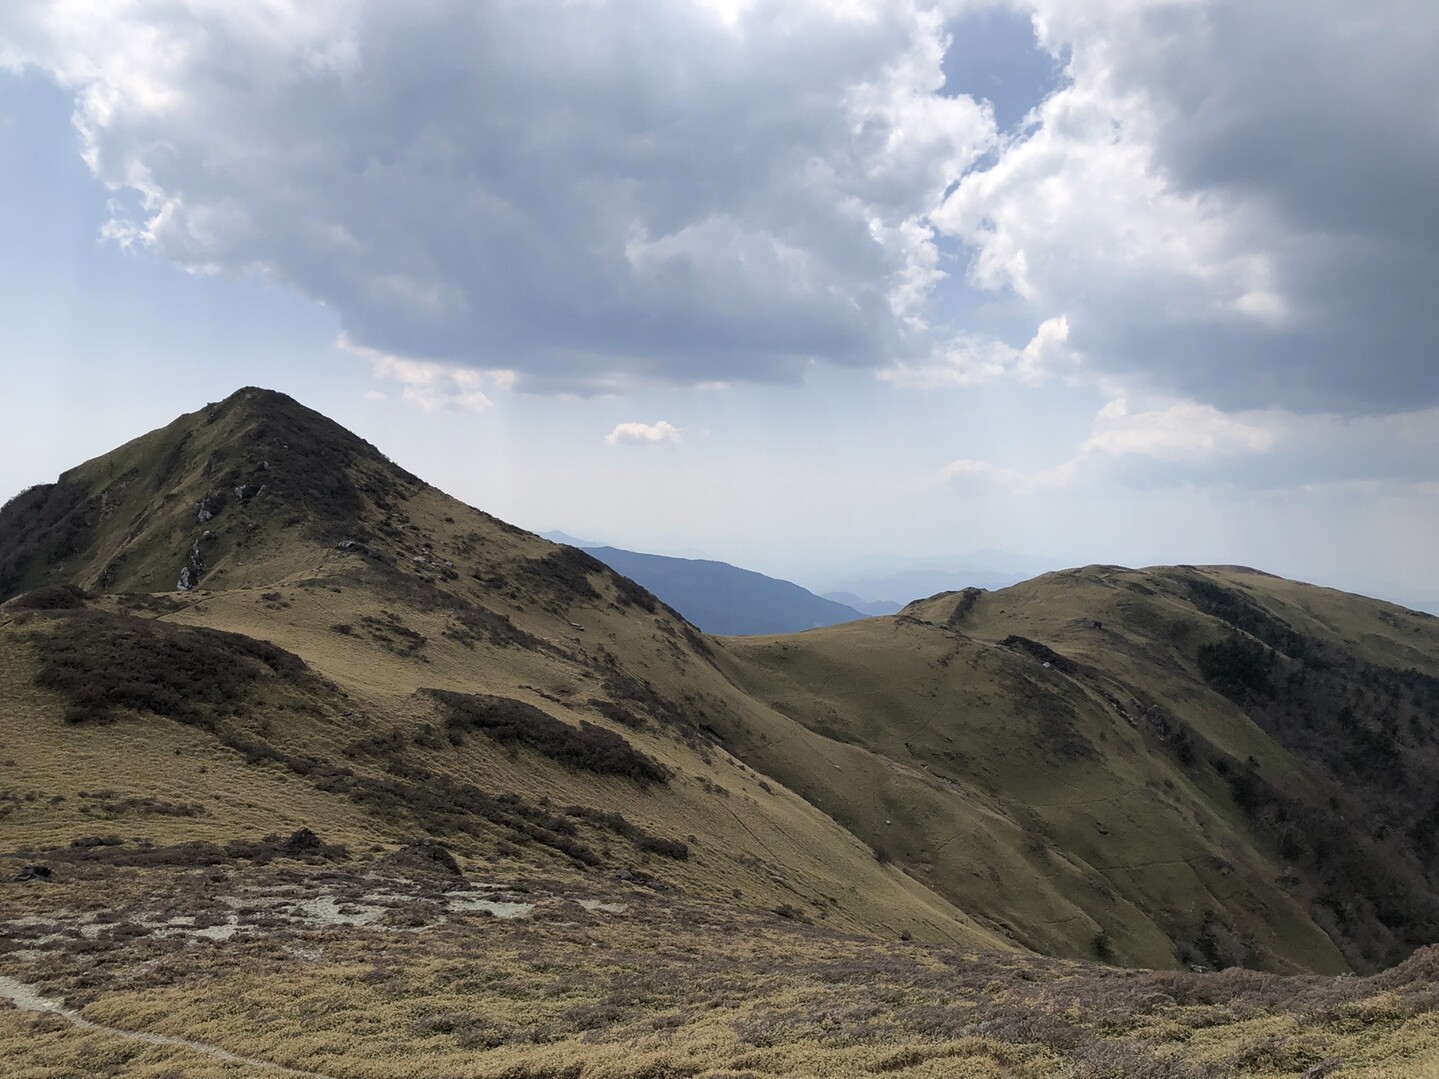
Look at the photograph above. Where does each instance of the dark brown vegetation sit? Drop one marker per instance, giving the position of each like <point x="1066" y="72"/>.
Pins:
<point x="1041" y="652"/>
<point x="306" y="463"/>
<point x="105" y="664"/>
<point x="968" y="597"/>
<point x="112" y="850"/>
<point x="473" y="624"/>
<point x="50" y="597"/>
<point x="40" y="526"/>
<point x="565" y="572"/>
<point x="512" y="722"/>
<point x="619" y="825"/>
<point x="442" y="806"/>
<point x="1371" y="734"/>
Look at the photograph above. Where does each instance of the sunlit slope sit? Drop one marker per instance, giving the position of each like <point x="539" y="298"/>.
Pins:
<point x="448" y="675"/>
<point x="1021" y="798"/>
<point x="1175" y="819"/>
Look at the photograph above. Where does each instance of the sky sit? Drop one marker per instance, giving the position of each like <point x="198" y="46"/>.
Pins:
<point x="807" y="287"/>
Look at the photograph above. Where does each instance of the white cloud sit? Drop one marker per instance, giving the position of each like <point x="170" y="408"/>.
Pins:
<point x="428" y="385"/>
<point x="973" y="360"/>
<point x="1015" y="480"/>
<point x="1185" y="432"/>
<point x="643" y="434"/>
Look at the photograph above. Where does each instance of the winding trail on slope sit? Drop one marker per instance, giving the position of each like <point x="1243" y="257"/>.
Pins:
<point x="30" y="999"/>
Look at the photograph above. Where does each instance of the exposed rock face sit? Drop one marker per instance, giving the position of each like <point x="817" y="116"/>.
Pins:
<point x="194" y="567"/>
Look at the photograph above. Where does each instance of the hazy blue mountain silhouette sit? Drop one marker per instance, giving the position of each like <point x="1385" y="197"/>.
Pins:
<point x="864" y="606"/>
<point x="720" y="598"/>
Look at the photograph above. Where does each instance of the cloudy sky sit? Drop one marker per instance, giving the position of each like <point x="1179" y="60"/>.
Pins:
<point x="800" y="285"/>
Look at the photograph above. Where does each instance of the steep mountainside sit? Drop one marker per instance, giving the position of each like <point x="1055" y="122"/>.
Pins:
<point x="245" y="491"/>
<point x="250" y="621"/>
<point x="282" y="629"/>
<point x="720" y="598"/>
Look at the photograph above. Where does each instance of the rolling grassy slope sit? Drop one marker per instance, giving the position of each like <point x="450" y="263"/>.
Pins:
<point x="251" y="672"/>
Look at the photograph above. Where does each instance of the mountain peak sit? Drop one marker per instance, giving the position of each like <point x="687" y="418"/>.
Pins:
<point x="247" y="479"/>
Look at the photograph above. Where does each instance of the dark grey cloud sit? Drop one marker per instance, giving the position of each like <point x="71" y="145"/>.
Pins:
<point x="1326" y="115"/>
<point x="1224" y="200"/>
<point x="582" y="192"/>
<point x="1230" y="200"/>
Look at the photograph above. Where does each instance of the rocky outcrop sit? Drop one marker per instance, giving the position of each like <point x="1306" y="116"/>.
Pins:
<point x="194" y="568"/>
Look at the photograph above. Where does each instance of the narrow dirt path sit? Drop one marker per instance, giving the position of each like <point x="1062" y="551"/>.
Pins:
<point x="30" y="999"/>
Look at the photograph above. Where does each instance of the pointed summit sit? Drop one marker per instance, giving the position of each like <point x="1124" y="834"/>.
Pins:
<point x="247" y="480"/>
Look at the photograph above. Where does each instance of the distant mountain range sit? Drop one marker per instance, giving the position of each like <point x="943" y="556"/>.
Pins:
<point x="868" y="607"/>
<point x="721" y="598"/>
<point x="894" y="590"/>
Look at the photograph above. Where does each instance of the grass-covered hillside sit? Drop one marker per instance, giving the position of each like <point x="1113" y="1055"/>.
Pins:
<point x="362" y="655"/>
<point x="1207" y="763"/>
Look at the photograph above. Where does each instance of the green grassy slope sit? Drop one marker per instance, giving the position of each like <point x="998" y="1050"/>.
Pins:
<point x="1210" y="765"/>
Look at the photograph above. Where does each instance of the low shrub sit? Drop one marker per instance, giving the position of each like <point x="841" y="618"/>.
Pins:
<point x="565" y="570"/>
<point x="103" y="663"/>
<point x="50" y="597"/>
<point x="588" y="747"/>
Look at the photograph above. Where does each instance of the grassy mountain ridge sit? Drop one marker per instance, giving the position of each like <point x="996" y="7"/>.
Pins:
<point x="229" y="486"/>
<point x="371" y="784"/>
